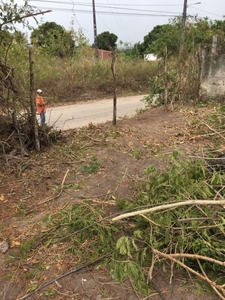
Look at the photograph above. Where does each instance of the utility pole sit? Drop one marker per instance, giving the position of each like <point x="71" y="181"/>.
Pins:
<point x="95" y="30"/>
<point x="182" y="36"/>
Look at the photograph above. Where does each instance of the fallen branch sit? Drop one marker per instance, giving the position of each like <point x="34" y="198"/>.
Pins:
<point x="215" y="131"/>
<point x="44" y="285"/>
<point x="210" y="282"/>
<point x="94" y="140"/>
<point x="197" y="256"/>
<point x="168" y="206"/>
<point x="59" y="193"/>
<point x="203" y="272"/>
<point x="198" y="219"/>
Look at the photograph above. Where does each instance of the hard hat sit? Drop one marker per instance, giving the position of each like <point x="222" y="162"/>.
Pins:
<point x="39" y="91"/>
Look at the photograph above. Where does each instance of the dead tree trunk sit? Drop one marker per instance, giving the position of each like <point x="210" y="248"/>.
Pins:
<point x="32" y="103"/>
<point x="114" y="86"/>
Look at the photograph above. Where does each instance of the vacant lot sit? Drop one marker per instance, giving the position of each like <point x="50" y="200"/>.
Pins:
<point x="35" y="188"/>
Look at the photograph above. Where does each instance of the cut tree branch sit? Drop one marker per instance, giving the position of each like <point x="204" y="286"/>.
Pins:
<point x="197" y="256"/>
<point x="169" y="206"/>
<point x="210" y="282"/>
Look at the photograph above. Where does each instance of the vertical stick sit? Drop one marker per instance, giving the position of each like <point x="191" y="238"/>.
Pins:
<point x="114" y="85"/>
<point x="32" y="104"/>
<point x="165" y="78"/>
<point x="199" y="57"/>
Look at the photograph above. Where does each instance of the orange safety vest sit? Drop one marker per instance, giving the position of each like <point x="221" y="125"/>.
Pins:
<point x="40" y="104"/>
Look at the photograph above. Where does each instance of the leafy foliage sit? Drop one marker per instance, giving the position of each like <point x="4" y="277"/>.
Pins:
<point x="12" y="44"/>
<point x="198" y="31"/>
<point x="88" y="233"/>
<point x="181" y="83"/>
<point x="53" y="39"/>
<point x="106" y="40"/>
<point x="197" y="230"/>
<point x="12" y="13"/>
<point x="159" y="37"/>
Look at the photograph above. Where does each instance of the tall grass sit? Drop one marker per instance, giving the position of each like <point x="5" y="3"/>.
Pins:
<point x="80" y="78"/>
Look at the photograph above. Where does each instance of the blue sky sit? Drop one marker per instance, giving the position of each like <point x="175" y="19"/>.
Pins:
<point x="130" y="20"/>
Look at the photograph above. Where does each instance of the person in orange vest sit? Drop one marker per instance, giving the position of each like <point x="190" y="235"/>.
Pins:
<point x="40" y="105"/>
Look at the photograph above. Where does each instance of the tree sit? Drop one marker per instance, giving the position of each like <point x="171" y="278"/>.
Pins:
<point x="202" y="30"/>
<point x="11" y="92"/>
<point x="128" y="50"/>
<point x="197" y="31"/>
<point x="53" y="39"/>
<point x="161" y="36"/>
<point x="10" y="14"/>
<point x="106" y="40"/>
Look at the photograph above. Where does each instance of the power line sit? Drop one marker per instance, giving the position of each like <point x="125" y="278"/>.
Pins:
<point x="110" y="13"/>
<point x="119" y="6"/>
<point x="106" y="6"/>
<point x="128" y="4"/>
<point x="209" y="12"/>
<point x="122" y="28"/>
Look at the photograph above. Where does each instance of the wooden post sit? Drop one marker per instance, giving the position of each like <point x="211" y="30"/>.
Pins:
<point x="165" y="78"/>
<point x="32" y="103"/>
<point x="114" y="86"/>
<point x="198" y="86"/>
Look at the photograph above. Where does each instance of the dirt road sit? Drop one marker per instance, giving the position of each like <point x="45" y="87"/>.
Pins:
<point x="78" y="115"/>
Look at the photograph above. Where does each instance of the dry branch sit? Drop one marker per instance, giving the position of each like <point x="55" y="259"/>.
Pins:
<point x="203" y="272"/>
<point x="215" y="131"/>
<point x="196" y="256"/>
<point x="199" y="219"/>
<point x="169" y="206"/>
<point x="45" y="284"/>
<point x="59" y="193"/>
<point x="206" y="279"/>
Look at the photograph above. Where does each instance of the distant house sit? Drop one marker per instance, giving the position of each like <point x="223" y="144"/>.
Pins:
<point x="150" y="57"/>
<point x="102" y="54"/>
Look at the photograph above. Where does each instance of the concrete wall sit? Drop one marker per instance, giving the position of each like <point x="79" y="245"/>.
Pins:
<point x="213" y="74"/>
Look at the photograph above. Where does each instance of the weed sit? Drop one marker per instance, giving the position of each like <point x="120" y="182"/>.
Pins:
<point x="9" y="276"/>
<point x="136" y="154"/>
<point x="28" y="275"/>
<point x="202" y="289"/>
<point x="11" y="258"/>
<point x="49" y="293"/>
<point x="21" y="209"/>
<point x="74" y="186"/>
<point x="26" y="247"/>
<point x="140" y="111"/>
<point x="54" y="187"/>
<point x="32" y="286"/>
<point x="93" y="167"/>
